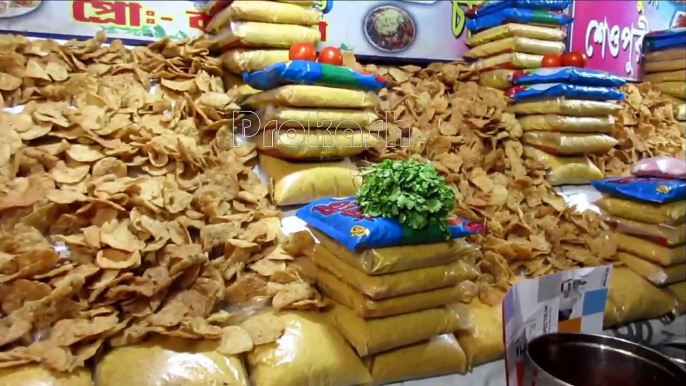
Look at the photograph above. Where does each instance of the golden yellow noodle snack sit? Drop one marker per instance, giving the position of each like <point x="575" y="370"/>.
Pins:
<point x="265" y="12"/>
<point x="673" y="213"/>
<point x="245" y="59"/>
<point x="483" y="343"/>
<point x="654" y="273"/>
<point x="571" y="107"/>
<point x="565" y="124"/>
<point x="516" y="44"/>
<point x="646" y="249"/>
<point x="314" y="97"/>
<point x="565" y="170"/>
<point x="514" y="29"/>
<point x="569" y="144"/>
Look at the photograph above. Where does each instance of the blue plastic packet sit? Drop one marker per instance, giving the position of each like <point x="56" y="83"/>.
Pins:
<point x="569" y="75"/>
<point x="664" y="40"/>
<point x="341" y="219"/>
<point x="644" y="189"/>
<point x="493" y="6"/>
<point x="312" y="73"/>
<point x="518" y="15"/>
<point x="561" y="90"/>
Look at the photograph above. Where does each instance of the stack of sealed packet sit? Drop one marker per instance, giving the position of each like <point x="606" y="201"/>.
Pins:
<point x="391" y="293"/>
<point x="664" y="64"/>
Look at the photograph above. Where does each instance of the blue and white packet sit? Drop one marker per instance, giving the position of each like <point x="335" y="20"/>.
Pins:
<point x="518" y="15"/>
<point x="568" y="75"/>
<point x="493" y="6"/>
<point x="664" y="40"/>
<point x="561" y="90"/>
<point x="342" y="220"/>
<point x="644" y="189"/>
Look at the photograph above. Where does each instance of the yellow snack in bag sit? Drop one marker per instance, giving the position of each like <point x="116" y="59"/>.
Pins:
<point x="159" y="360"/>
<point x="659" y="233"/>
<point x="508" y="61"/>
<point x="332" y="119"/>
<point x="310" y="352"/>
<point x="241" y="59"/>
<point x="680" y="112"/>
<point x="498" y="79"/>
<point x="371" y="336"/>
<point x="314" y="97"/>
<point x="675" y="89"/>
<point x="648" y="250"/>
<point x="379" y="261"/>
<point x="572" y="107"/>
<point x="569" y="144"/>
<point x="565" y="124"/>
<point x="302" y="3"/>
<point x="265" y="12"/>
<point x="254" y="34"/>
<point x="483" y="343"/>
<point x="653" y="273"/>
<point x="516" y="44"/>
<point x="305" y="144"/>
<point x="37" y="375"/>
<point x="441" y="355"/>
<point x="394" y="284"/>
<point x="565" y="170"/>
<point x="520" y="30"/>
<point x="293" y="183"/>
<point x="672" y="213"/>
<point x="679" y="291"/>
<point x="369" y="308"/>
<point x="213" y="7"/>
<point x="670" y="54"/>
<point x="671" y="76"/>
<point x="665" y="65"/>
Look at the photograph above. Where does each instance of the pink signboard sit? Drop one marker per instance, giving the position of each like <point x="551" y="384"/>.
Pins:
<point x="611" y="32"/>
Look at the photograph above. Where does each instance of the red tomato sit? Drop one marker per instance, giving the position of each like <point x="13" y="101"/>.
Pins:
<point x="302" y="51"/>
<point x="574" y="59"/>
<point x="331" y="55"/>
<point x="551" y="61"/>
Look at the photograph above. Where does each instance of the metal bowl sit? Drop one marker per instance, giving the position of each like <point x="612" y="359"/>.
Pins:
<point x="583" y="359"/>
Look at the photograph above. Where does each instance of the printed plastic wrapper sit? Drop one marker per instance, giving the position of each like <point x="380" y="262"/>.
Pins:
<point x="569" y="143"/>
<point x="380" y="261"/>
<point x="297" y="144"/>
<point x="670" y="54"/>
<point x="168" y="360"/>
<point x="313" y="73"/>
<point x="314" y="97"/>
<point x="483" y="343"/>
<point x="671" y="76"/>
<point x="569" y="75"/>
<point x="518" y="15"/>
<point x="394" y="284"/>
<point x="365" y="307"/>
<point x="341" y="219"/>
<point x="240" y="60"/>
<point x="310" y="352"/>
<point x="333" y="119"/>
<point x="212" y="7"/>
<point x="643" y="189"/>
<point x="37" y="375"/>
<point x="509" y="61"/>
<point x="559" y="90"/>
<point x="565" y="170"/>
<point x="562" y="106"/>
<point x="653" y="273"/>
<point x="665" y="235"/>
<point x="664" y="40"/>
<point x="492" y="6"/>
<point x="665" y="66"/>
<point x="372" y="336"/>
<point x="519" y="30"/>
<point x="675" y="89"/>
<point x="516" y="44"/>
<point x="254" y="34"/>
<point x="646" y="249"/>
<point x="265" y="12"/>
<point x="565" y="124"/>
<point x="441" y="355"/>
<point x="498" y="79"/>
<point x="671" y="214"/>
<point x="631" y="298"/>
<point x="293" y="183"/>
<point x="661" y="166"/>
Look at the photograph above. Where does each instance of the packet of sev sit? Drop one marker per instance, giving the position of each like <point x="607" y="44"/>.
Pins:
<point x="159" y="360"/>
<point x="565" y="170"/>
<point x="516" y="44"/>
<point x="310" y="352"/>
<point x="569" y="144"/>
<point x="241" y="59"/>
<point x="680" y="112"/>
<point x="293" y="183"/>
<point x="561" y="106"/>
<point x="441" y="355"/>
<point x="254" y="34"/>
<point x="665" y="65"/>
<point x="509" y="61"/>
<point x="371" y="336"/>
<point x="314" y="97"/>
<point x="302" y="3"/>
<point x="379" y="261"/>
<point x="675" y="89"/>
<point x="483" y="342"/>
<point x="263" y="11"/>
<point x="394" y="284"/>
<point x="679" y="291"/>
<point x="37" y="375"/>
<point x="653" y="273"/>
<point x="370" y="308"/>
<point x="498" y="79"/>
<point x="565" y="124"/>
<point x="670" y="54"/>
<point x="519" y="30"/>
<point x="673" y="213"/>
<point x="305" y="144"/>
<point x="646" y="249"/>
<point x="671" y="76"/>
<point x="658" y="233"/>
<point x="332" y="119"/>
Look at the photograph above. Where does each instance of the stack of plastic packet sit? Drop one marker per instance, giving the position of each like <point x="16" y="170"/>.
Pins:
<point x="664" y="64"/>
<point x="515" y="34"/>
<point x="391" y="294"/>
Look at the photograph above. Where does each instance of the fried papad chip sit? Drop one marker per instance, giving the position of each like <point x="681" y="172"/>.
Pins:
<point x="40" y="375"/>
<point x="673" y="213"/>
<point x="516" y="44"/>
<point x="646" y="249"/>
<point x="654" y="273"/>
<point x="482" y="343"/>
<point x="498" y="79"/>
<point x="679" y="291"/>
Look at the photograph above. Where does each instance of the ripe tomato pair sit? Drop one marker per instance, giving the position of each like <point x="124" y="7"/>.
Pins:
<point x="571" y="59"/>
<point x="307" y="51"/>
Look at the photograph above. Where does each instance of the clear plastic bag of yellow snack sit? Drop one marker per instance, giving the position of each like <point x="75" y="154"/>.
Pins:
<point x="294" y="183"/>
<point x="212" y="7"/>
<point x="670" y="54"/>
<point x="310" y="352"/>
<point x="676" y="89"/>
<point x="631" y="298"/>
<point x="366" y="307"/>
<point x="241" y="34"/>
<point x="482" y="343"/>
<point x="646" y="249"/>
<point x="243" y="59"/>
<point x="160" y="360"/>
<point x="507" y="61"/>
<point x="516" y="44"/>
<point x="498" y="79"/>
<point x="265" y="12"/>
<point x="302" y="3"/>
<point x="565" y="170"/>
<point x="680" y="112"/>
<point x="519" y="30"/>
<point x="38" y="375"/>
<point x="679" y="291"/>
<point x="441" y="355"/>
<point x="332" y="119"/>
<point x="372" y="336"/>
<point x="304" y="144"/>
<point x="673" y="213"/>
<point x="394" y="284"/>
<point x="380" y="261"/>
<point x="662" y="234"/>
<point x="565" y="124"/>
<point x="665" y="65"/>
<point x="314" y="97"/>
<point x="654" y="273"/>
<point x="561" y="106"/>
<point x="671" y="76"/>
<point x="569" y="144"/>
